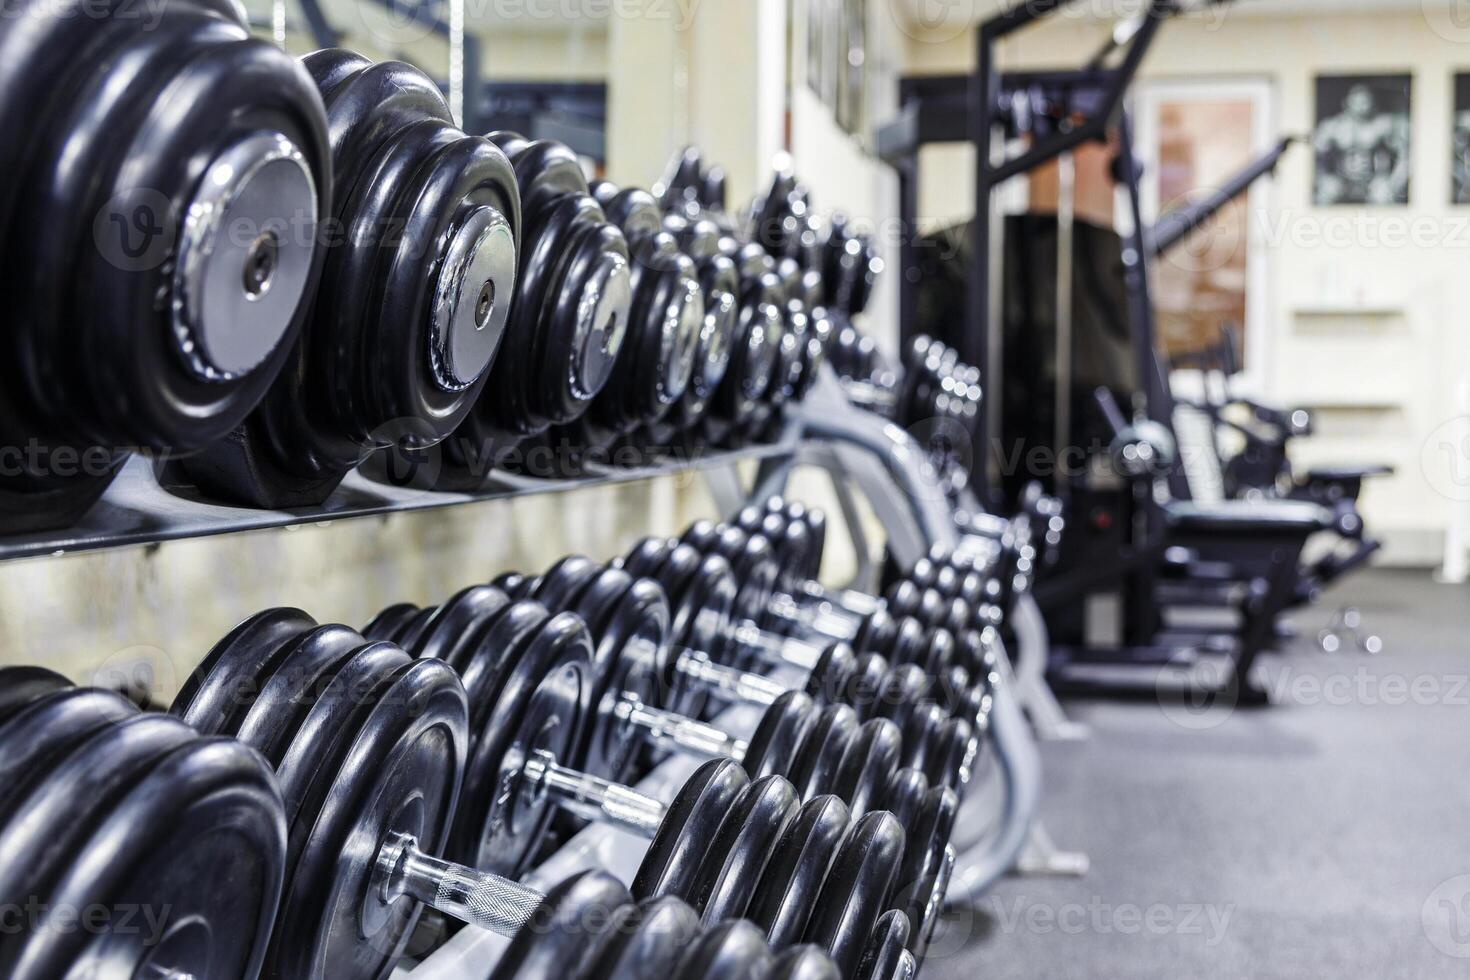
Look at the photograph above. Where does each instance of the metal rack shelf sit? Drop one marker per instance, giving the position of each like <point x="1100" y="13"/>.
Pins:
<point x="135" y="510"/>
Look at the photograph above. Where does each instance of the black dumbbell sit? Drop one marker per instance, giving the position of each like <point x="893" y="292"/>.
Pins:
<point x="690" y="187"/>
<point x="950" y="592"/>
<point x="170" y="817"/>
<point x="107" y="811"/>
<point x="702" y="240"/>
<point x="767" y="547"/>
<point x="737" y="404"/>
<point x="852" y="754"/>
<point x="936" y="711"/>
<point x="666" y="322"/>
<point x="648" y="692"/>
<point x="850" y="267"/>
<point x="158" y="224"/>
<point x="568" y="324"/>
<point x="415" y="294"/>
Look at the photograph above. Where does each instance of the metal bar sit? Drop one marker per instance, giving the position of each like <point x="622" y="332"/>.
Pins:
<point x="1171" y="229"/>
<point x="591" y="798"/>
<point x="727" y="683"/>
<point x="668" y="730"/>
<point x="491" y="902"/>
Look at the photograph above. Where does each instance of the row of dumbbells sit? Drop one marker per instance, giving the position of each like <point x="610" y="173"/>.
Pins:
<point x="268" y="273"/>
<point x="357" y="768"/>
<point x="933" y="394"/>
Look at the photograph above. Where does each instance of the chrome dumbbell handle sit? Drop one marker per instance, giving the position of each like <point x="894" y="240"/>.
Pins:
<point x="489" y="901"/>
<point x="773" y="648"/>
<point x="591" y="798"/>
<point x="726" y="683"/>
<point x="817" y="616"/>
<point x="668" y="730"/>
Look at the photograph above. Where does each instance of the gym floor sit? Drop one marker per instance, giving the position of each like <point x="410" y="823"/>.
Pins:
<point x="1319" y="837"/>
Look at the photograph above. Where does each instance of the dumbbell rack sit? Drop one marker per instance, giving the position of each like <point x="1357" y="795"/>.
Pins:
<point x="825" y="431"/>
<point x="135" y="510"/>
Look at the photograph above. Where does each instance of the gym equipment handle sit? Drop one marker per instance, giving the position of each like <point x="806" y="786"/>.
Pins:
<point x="489" y="901"/>
<point x="592" y="798"/>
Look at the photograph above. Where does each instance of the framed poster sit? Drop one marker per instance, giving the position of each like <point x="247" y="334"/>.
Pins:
<point x="1361" y="139"/>
<point x="1460" y="142"/>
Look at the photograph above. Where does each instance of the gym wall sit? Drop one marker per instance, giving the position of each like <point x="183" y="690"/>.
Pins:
<point x="1367" y="332"/>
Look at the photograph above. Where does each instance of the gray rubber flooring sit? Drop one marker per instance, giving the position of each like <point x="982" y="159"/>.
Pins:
<point x="1327" y="835"/>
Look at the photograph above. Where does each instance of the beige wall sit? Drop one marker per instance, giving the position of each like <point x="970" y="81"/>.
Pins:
<point x="1363" y="323"/>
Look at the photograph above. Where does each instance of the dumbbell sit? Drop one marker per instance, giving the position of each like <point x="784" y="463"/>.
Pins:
<point x="170" y="817"/>
<point x="736" y="407"/>
<point x="712" y="614"/>
<point x="158" y="224"/>
<point x="666" y="322"/>
<point x="702" y="240"/>
<point x="372" y="748"/>
<point x="568" y="324"/>
<point x="796" y="536"/>
<point x="119" y="833"/>
<point x="821" y="751"/>
<point x="770" y="548"/>
<point x="415" y="294"/>
<point x="588" y="927"/>
<point x="690" y="187"/>
<point x="851" y="267"/>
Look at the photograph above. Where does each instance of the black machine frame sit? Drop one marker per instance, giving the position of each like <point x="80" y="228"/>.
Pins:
<point x="974" y="108"/>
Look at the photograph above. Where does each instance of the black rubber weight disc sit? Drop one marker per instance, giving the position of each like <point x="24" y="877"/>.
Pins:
<point x="273" y="720"/>
<point x="886" y="947"/>
<point x="729" y="951"/>
<point x="538" y="709"/>
<point x="857" y="889"/>
<point x="871" y="759"/>
<point x="817" y="762"/>
<point x="391" y="622"/>
<point x="778" y="736"/>
<point x="200" y="841"/>
<point x="222" y="688"/>
<point x="803" y="963"/>
<point x="788" y="892"/>
<point x="649" y="943"/>
<point x="742" y="849"/>
<point x="35" y="734"/>
<point x="565" y="929"/>
<point x="20" y="686"/>
<point x="677" y="852"/>
<point x="68" y="801"/>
